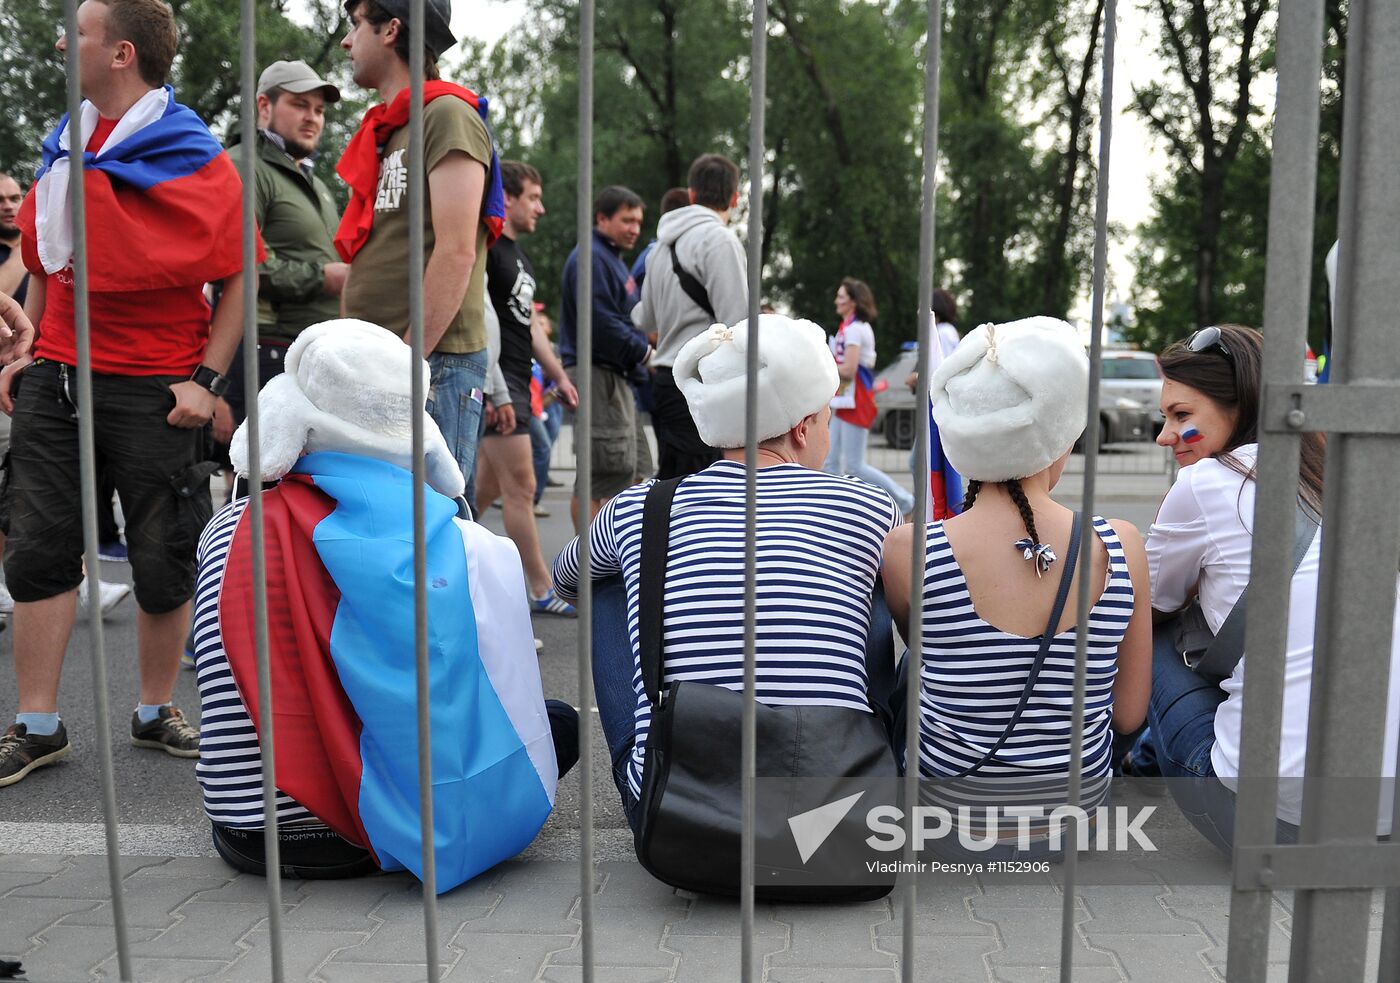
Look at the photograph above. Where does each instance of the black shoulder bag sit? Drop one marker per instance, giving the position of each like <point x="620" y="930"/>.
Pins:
<point x="688" y="834"/>
<point x="693" y="288"/>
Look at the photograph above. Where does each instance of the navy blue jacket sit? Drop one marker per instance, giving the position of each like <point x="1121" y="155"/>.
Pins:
<point x="617" y="344"/>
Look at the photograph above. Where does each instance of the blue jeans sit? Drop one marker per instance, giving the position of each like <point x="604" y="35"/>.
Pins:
<point x="543" y="433"/>
<point x="454" y="402"/>
<point x="614" y="665"/>
<point x="847" y="456"/>
<point x="1178" y="741"/>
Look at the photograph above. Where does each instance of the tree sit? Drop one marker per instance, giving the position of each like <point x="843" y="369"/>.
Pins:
<point x="1206" y="116"/>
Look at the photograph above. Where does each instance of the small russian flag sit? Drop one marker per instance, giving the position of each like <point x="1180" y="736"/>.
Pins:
<point x="1191" y="436"/>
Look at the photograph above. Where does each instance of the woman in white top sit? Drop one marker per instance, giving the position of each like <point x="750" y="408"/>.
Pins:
<point x="853" y="408"/>
<point x="1200" y="546"/>
<point x="1010" y="403"/>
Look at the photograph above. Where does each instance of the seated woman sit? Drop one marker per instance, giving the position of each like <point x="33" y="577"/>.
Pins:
<point x="1201" y="545"/>
<point x="1010" y="402"/>
<point x="819" y="539"/>
<point x="336" y="431"/>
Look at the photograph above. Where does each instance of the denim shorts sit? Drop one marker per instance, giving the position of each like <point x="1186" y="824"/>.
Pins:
<point x="454" y="402"/>
<point x="161" y="475"/>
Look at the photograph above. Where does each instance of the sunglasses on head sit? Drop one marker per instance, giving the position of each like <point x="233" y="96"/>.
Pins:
<point x="1210" y="339"/>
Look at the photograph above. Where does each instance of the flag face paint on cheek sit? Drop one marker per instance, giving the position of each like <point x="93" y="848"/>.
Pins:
<point x="1192" y="436"/>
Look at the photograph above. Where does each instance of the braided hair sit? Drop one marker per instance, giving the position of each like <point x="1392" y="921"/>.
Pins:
<point x="1018" y="496"/>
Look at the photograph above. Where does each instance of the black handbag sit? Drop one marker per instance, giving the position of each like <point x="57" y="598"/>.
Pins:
<point x="688" y="834"/>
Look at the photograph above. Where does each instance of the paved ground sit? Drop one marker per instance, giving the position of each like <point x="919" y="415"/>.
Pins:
<point x="191" y="918"/>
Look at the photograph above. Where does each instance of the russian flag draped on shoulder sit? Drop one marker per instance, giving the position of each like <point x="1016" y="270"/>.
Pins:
<point x="161" y="197"/>
<point x="945" y="485"/>
<point x="339" y="541"/>
<point x="359" y="166"/>
<point x="855" y="400"/>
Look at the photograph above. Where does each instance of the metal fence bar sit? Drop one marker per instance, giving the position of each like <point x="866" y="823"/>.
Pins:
<point x="1290" y="242"/>
<point x="583" y="448"/>
<point x="914" y="660"/>
<point x="248" y="135"/>
<point x="416" y="239"/>
<point x="87" y="463"/>
<point x="758" y="93"/>
<point x="1390" y="922"/>
<point x="1088" y="536"/>
<point x="1357" y="575"/>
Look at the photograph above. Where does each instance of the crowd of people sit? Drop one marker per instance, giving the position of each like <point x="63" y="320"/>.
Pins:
<point x="670" y="336"/>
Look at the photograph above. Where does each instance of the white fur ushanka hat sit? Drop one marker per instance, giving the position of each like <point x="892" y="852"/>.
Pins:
<point x="796" y="377"/>
<point x="346" y="387"/>
<point x="1011" y="398"/>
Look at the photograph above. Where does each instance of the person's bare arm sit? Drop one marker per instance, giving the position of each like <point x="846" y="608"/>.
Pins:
<point x="553" y="368"/>
<point x="194" y="405"/>
<point x="1133" y="684"/>
<point x="456" y="185"/>
<point x="851" y="364"/>
<point x="894" y="568"/>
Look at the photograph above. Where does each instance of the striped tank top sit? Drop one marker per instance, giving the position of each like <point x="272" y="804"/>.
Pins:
<point x="974" y="675"/>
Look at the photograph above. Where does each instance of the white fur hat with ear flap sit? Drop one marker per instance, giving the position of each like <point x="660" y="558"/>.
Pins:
<point x="1011" y="398"/>
<point x="346" y="387"/>
<point x="796" y="377"/>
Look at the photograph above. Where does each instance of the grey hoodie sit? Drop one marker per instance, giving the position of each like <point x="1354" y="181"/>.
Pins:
<point x="712" y="254"/>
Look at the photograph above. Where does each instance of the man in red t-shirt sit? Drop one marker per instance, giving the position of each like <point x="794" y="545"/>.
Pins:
<point x="163" y="218"/>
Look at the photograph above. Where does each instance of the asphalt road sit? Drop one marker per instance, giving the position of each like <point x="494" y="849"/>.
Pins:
<point x="157" y="796"/>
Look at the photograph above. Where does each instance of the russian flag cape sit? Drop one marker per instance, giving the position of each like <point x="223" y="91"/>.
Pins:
<point x="855" y="401"/>
<point x="164" y="202"/>
<point x="339" y="560"/>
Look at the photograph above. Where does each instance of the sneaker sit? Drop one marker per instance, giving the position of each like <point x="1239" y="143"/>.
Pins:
<point x="539" y="645"/>
<point x="170" y="732"/>
<point x="22" y="752"/>
<point x="540" y="511"/>
<point x="7" y="603"/>
<point x="114" y="552"/>
<point x="552" y="603"/>
<point x="109" y="595"/>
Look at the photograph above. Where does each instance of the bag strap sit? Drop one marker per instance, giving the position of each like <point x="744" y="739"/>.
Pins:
<point x="1228" y="646"/>
<point x="693" y="288"/>
<point x="1045" y="640"/>
<point x="656" y="541"/>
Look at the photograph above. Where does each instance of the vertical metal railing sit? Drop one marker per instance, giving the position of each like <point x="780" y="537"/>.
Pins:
<point x="87" y="464"/>
<point x="914" y="662"/>
<point x="248" y="135"/>
<point x="416" y="237"/>
<point x="583" y="447"/>
<point x="1290" y="245"/>
<point x="758" y="95"/>
<point x="1088" y="586"/>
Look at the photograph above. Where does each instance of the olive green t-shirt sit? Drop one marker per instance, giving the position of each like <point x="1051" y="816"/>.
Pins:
<point x="378" y="286"/>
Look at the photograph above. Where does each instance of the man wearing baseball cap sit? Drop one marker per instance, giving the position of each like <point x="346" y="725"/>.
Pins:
<point x="301" y="280"/>
<point x="464" y="208"/>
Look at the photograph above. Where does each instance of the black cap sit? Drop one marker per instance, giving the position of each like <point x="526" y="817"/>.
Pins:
<point x="437" y="37"/>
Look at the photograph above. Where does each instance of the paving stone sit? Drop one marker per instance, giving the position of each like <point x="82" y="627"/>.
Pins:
<point x="1032" y="937"/>
<point x="501" y="957"/>
<point x="709" y="916"/>
<point x="27" y="920"/>
<point x="613" y="974"/>
<point x="329" y="906"/>
<point x="397" y="936"/>
<point x="75" y="952"/>
<point x="533" y="903"/>
<point x="628" y="936"/>
<point x="150" y="897"/>
<point x="943" y="957"/>
<point x="1051" y="974"/>
<point x="207" y="930"/>
<point x="1131" y="910"/>
<point x="707" y="958"/>
<point x="629" y="884"/>
<point x="28" y="863"/>
<point x="833" y="936"/>
<point x="302" y="953"/>
<point x="817" y="974"/>
<point x="1159" y="958"/>
<point x="85" y="877"/>
<point x="946" y="913"/>
<point x="334" y="972"/>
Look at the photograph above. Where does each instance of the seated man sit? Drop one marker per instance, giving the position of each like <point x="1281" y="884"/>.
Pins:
<point x="818" y="533"/>
<point x="336" y="429"/>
